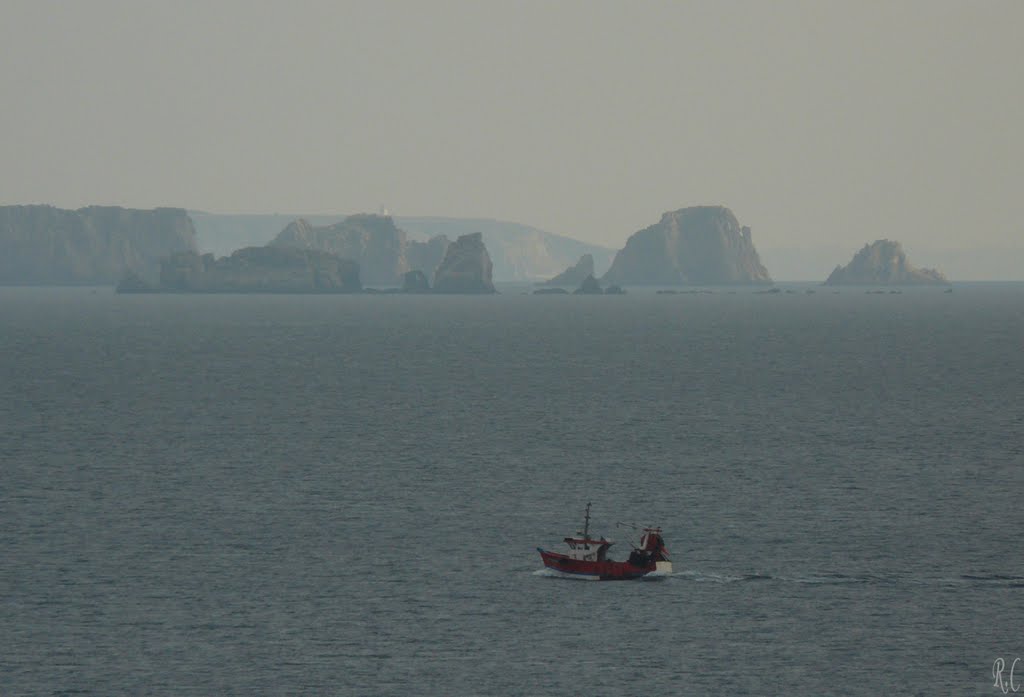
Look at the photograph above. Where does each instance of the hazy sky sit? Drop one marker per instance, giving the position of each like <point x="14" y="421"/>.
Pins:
<point x="824" y="123"/>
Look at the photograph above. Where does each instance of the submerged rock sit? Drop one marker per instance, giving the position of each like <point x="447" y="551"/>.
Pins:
<point x="133" y="283"/>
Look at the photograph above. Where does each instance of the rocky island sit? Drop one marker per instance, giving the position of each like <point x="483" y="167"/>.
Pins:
<point x="883" y="262"/>
<point x="97" y="245"/>
<point x="702" y="245"/>
<point x="252" y="270"/>
<point x="466" y="267"/>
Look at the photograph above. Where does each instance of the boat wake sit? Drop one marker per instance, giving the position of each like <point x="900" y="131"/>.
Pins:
<point x="551" y="573"/>
<point x="831" y="579"/>
<point x="812" y="580"/>
<point x="834" y="579"/>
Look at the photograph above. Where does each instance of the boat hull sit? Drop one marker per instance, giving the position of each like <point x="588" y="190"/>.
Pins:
<point x="601" y="570"/>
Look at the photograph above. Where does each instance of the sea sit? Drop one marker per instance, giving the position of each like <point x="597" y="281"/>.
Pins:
<point x="344" y="495"/>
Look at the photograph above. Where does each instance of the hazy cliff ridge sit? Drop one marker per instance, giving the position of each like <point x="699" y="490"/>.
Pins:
<point x="701" y="245"/>
<point x="883" y="262"/>
<point x="256" y="270"/>
<point x="97" y="245"/>
<point x="466" y="267"/>
<point x="383" y="251"/>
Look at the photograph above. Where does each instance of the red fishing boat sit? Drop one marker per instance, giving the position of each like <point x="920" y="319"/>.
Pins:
<point x="588" y="557"/>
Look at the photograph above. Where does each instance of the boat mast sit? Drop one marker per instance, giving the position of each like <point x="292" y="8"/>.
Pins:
<point x="586" y="523"/>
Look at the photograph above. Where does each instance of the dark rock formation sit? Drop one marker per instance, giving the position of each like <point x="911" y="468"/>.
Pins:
<point x="883" y="263"/>
<point x="426" y="256"/>
<point x="43" y="245"/>
<point x="383" y="251"/>
<point x="614" y="290"/>
<point x="703" y="245"/>
<point x="518" y="252"/>
<point x="260" y="270"/>
<point x="466" y="267"/>
<point x="551" y="291"/>
<point x="574" y="275"/>
<point x="415" y="282"/>
<point x="590" y="286"/>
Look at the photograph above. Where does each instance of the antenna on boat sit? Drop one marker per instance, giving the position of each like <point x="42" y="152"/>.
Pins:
<point x="586" y="523"/>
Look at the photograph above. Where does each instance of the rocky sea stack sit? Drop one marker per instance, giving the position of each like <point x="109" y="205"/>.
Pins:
<point x="259" y="270"/>
<point x="98" y="245"/>
<point x="702" y="245"/>
<point x="466" y="267"/>
<point x="383" y="251"/>
<point x="590" y="286"/>
<point x="883" y="263"/>
<point x="574" y="275"/>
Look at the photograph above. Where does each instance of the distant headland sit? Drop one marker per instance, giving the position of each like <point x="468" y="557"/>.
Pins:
<point x="97" y="245"/>
<point x="158" y="251"/>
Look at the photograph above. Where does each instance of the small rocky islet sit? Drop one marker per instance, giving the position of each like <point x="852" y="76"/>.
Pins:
<point x="883" y="262"/>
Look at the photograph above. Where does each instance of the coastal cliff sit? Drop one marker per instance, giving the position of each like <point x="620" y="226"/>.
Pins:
<point x="702" y="245"/>
<point x="883" y="262"/>
<point x="97" y="245"/>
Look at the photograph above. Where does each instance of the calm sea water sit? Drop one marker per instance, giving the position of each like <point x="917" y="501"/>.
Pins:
<point x="343" y="495"/>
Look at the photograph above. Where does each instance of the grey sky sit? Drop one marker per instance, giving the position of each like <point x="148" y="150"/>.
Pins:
<point x="818" y="123"/>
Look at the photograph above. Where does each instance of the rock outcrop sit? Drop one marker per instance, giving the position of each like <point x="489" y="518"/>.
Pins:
<point x="466" y="267"/>
<point x="883" y="263"/>
<point x="415" y="282"/>
<point x="518" y="252"/>
<point x="574" y="275"/>
<point x="426" y="256"/>
<point x="98" y="245"/>
<point x="260" y="270"/>
<point x="590" y="286"/>
<point x="384" y="252"/>
<point x="703" y="245"/>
